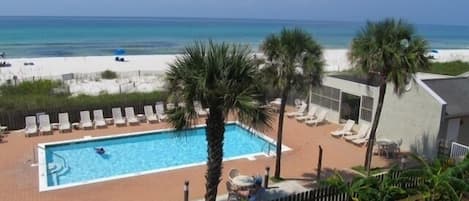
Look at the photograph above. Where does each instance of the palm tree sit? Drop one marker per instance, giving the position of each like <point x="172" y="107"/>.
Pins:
<point x="294" y="61"/>
<point x="224" y="79"/>
<point x="389" y="51"/>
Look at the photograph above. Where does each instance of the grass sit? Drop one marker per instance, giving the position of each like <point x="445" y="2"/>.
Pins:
<point x="452" y="68"/>
<point x="373" y="171"/>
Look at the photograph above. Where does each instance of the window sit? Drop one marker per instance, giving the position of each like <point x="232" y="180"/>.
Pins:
<point x="366" y="108"/>
<point x="327" y="97"/>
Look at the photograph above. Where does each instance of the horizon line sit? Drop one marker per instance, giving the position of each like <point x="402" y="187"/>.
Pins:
<point x="224" y="18"/>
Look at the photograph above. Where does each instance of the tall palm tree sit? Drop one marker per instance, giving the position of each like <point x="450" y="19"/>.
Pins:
<point x="294" y="61"/>
<point x="224" y="79"/>
<point x="389" y="51"/>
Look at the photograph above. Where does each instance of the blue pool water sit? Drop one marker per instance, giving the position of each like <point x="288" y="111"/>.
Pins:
<point x="152" y="151"/>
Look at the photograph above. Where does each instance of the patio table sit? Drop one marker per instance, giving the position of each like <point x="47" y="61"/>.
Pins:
<point x="386" y="146"/>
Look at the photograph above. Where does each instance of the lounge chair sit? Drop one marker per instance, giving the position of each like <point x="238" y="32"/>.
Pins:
<point x="346" y="130"/>
<point x="44" y="124"/>
<point x="362" y="132"/>
<point x="64" y="122"/>
<point x="3" y="129"/>
<point x="159" y="107"/>
<point x="361" y="141"/>
<point x="130" y="116"/>
<point x="299" y="112"/>
<point x="199" y="109"/>
<point x="151" y="117"/>
<point x="98" y="120"/>
<point x="310" y="115"/>
<point x="181" y="104"/>
<point x="117" y="117"/>
<point x="31" y="126"/>
<point x="85" y="120"/>
<point x="321" y="118"/>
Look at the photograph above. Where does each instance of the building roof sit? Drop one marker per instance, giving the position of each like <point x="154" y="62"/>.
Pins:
<point x="362" y="79"/>
<point x="455" y="91"/>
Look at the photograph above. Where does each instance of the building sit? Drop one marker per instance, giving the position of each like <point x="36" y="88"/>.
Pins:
<point x="432" y="108"/>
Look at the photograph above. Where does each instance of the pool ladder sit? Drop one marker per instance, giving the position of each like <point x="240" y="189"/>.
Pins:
<point x="56" y="169"/>
<point x="267" y="146"/>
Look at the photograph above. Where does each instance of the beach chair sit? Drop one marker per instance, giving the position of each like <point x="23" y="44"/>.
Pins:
<point x="199" y="109"/>
<point x="31" y="126"/>
<point x="299" y="112"/>
<point x="362" y="141"/>
<point x="3" y="129"/>
<point x="362" y="132"/>
<point x="44" y="124"/>
<point x="151" y="117"/>
<point x="85" y="120"/>
<point x="98" y="119"/>
<point x="310" y="115"/>
<point x="64" y="122"/>
<point x="181" y="104"/>
<point x="117" y="117"/>
<point x="130" y="116"/>
<point x="321" y="118"/>
<point x="346" y="130"/>
<point x="159" y="108"/>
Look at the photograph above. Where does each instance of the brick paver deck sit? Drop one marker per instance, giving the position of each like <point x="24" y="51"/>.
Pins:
<point x="19" y="181"/>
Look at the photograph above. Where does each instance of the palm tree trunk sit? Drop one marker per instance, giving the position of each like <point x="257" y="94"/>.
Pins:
<point x="215" y="134"/>
<point x="278" y="155"/>
<point x="374" y="127"/>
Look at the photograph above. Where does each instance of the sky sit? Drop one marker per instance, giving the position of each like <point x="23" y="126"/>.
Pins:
<point x="452" y="12"/>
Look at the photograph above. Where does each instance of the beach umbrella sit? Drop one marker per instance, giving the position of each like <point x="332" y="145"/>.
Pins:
<point x="119" y="51"/>
<point x="434" y="51"/>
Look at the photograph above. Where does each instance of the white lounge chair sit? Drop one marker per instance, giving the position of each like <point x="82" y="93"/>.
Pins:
<point x="3" y="129"/>
<point x="85" y="120"/>
<point x="117" y="117"/>
<point x="362" y="132"/>
<point x="44" y="124"/>
<point x="321" y="118"/>
<point x="310" y="115"/>
<point x="199" y="109"/>
<point x="364" y="140"/>
<point x="64" y="122"/>
<point x="299" y="112"/>
<point x="31" y="126"/>
<point x="159" y="108"/>
<point x="98" y="119"/>
<point x="151" y="117"/>
<point x="130" y="116"/>
<point x="346" y="130"/>
<point x="181" y="104"/>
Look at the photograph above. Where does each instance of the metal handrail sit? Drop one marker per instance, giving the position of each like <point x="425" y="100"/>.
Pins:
<point x="64" y="162"/>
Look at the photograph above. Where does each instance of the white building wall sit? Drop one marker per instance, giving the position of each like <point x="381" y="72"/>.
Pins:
<point x="351" y="88"/>
<point x="414" y="119"/>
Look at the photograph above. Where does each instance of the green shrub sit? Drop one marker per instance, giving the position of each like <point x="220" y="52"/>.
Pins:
<point x="44" y="87"/>
<point x="108" y="74"/>
<point x="452" y="68"/>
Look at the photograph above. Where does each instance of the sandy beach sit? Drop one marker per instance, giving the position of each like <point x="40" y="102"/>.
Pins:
<point x="55" y="67"/>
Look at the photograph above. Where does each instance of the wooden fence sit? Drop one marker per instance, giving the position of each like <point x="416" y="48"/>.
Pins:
<point x="16" y="119"/>
<point x="328" y="193"/>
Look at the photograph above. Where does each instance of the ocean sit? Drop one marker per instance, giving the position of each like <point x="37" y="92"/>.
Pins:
<point x="86" y="36"/>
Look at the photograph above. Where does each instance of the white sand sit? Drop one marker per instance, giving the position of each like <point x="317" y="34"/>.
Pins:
<point x="336" y="60"/>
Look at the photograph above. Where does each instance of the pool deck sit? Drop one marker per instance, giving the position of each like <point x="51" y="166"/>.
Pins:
<point x="19" y="180"/>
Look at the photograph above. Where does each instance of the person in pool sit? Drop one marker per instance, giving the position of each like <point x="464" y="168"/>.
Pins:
<point x="100" y="150"/>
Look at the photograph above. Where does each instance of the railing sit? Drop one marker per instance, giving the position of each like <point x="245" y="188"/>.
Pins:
<point x="267" y="145"/>
<point x="458" y="150"/>
<point x="64" y="162"/>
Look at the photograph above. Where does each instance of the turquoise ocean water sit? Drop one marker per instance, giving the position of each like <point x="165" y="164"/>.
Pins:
<point x="80" y="36"/>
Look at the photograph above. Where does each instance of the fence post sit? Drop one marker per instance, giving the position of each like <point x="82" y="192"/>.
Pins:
<point x="186" y="190"/>
<point x="266" y="177"/>
<point x="318" y="178"/>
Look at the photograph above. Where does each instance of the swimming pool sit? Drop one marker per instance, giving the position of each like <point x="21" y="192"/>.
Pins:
<point x="75" y="162"/>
